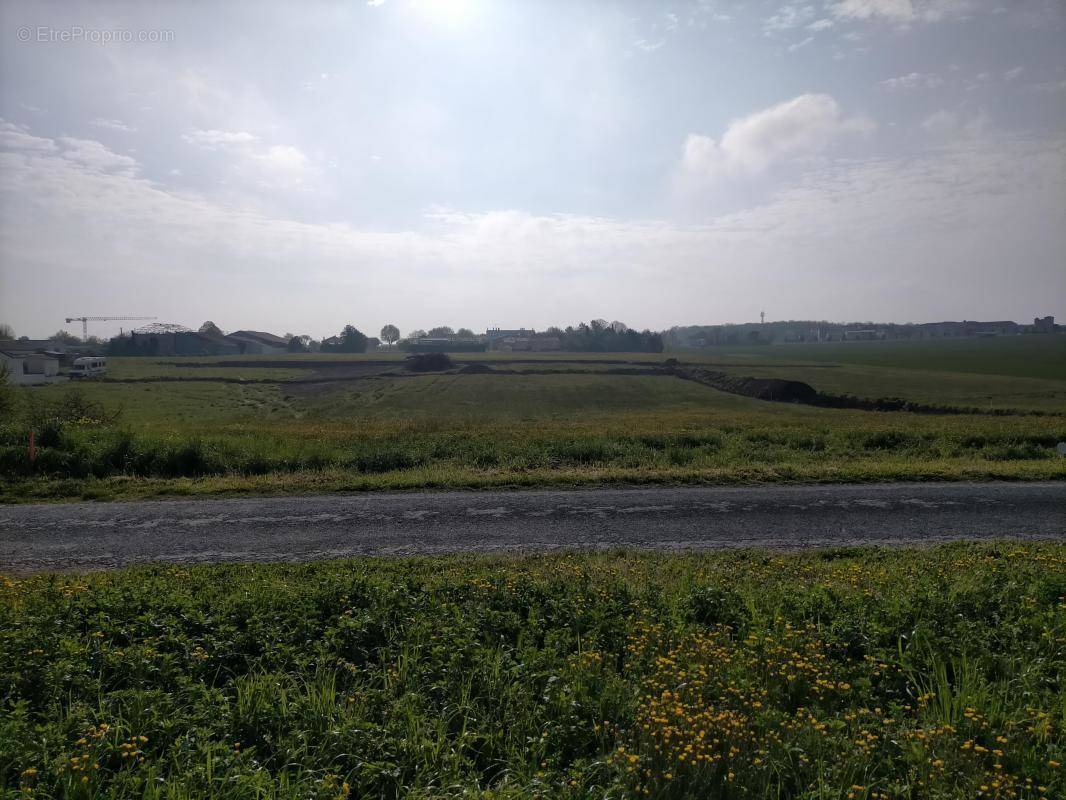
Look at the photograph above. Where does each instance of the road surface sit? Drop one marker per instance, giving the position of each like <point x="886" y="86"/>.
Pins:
<point x="106" y="535"/>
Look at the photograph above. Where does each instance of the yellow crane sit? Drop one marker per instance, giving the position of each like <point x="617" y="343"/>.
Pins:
<point x="86" y="320"/>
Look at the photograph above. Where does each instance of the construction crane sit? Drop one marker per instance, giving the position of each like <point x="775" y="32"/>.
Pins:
<point x="86" y="320"/>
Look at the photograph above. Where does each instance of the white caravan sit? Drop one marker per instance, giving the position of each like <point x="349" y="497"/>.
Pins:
<point x="89" y="367"/>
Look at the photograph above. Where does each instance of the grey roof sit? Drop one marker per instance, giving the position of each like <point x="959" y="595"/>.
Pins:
<point x="261" y="336"/>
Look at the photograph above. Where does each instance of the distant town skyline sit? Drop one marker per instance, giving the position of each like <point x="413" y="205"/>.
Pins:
<point x="1043" y="323"/>
<point x="480" y="163"/>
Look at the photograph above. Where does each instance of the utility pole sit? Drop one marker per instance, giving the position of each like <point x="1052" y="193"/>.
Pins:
<point x="762" y="317"/>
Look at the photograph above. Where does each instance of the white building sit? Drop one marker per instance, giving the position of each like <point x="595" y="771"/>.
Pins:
<point x="25" y="369"/>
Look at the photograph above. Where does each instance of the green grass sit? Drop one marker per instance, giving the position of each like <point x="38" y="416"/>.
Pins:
<point x="1029" y="356"/>
<point x="543" y="428"/>
<point x="855" y="673"/>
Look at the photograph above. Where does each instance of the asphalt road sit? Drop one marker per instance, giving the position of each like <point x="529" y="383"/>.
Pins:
<point x="106" y="535"/>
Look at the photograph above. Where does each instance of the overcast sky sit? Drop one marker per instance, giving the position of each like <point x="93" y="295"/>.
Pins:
<point x="299" y="166"/>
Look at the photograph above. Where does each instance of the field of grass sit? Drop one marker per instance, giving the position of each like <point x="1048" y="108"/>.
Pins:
<point x="1035" y="356"/>
<point x="263" y="428"/>
<point x="837" y="674"/>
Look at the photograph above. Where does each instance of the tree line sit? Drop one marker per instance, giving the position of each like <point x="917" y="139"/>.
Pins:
<point x="596" y="336"/>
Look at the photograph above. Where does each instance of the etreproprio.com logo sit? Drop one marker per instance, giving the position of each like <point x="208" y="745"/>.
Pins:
<point x="76" y="34"/>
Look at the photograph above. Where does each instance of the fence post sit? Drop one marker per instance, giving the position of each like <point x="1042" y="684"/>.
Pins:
<point x="33" y="447"/>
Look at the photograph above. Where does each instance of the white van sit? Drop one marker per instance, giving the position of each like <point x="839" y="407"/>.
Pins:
<point x="89" y="367"/>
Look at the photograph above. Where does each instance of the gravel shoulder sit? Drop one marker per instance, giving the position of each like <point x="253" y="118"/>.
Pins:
<point x="86" y="536"/>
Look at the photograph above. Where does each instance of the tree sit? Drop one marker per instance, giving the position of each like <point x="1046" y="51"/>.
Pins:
<point x="419" y="334"/>
<point x="353" y="340"/>
<point x="296" y="345"/>
<point x="440" y="332"/>
<point x="465" y="333"/>
<point x="211" y="328"/>
<point x="390" y="334"/>
<point x="66" y="337"/>
<point x="6" y="332"/>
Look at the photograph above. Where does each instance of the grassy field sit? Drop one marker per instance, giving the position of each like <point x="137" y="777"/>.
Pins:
<point x="837" y="674"/>
<point x="1040" y="356"/>
<point x="250" y="425"/>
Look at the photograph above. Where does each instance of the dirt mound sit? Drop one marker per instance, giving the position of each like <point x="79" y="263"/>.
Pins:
<point x="776" y="389"/>
<point x="476" y="369"/>
<point x="428" y="362"/>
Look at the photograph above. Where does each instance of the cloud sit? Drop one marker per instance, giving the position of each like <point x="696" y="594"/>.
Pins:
<point x="111" y="232"/>
<point x="915" y="80"/>
<point x="17" y="137"/>
<point x="274" y="166"/>
<point x="96" y="157"/>
<point x="213" y="139"/>
<point x="820" y="25"/>
<point x="901" y="11"/>
<point x="792" y="48"/>
<point x="280" y="165"/>
<point x="1048" y="87"/>
<point x="804" y="125"/>
<point x="112" y="124"/>
<point x="955" y="125"/>
<point x="790" y="16"/>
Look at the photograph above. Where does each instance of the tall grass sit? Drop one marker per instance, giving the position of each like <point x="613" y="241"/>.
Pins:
<point x="847" y="673"/>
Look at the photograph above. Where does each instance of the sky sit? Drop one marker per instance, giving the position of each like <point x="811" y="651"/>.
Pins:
<point x="295" y="167"/>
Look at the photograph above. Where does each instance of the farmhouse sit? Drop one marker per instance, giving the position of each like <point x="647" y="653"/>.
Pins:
<point x="492" y="334"/>
<point x="444" y="344"/>
<point x="534" y="344"/>
<point x="865" y="335"/>
<point x="258" y="343"/>
<point x="52" y="346"/>
<point x="176" y="343"/>
<point x="29" y="368"/>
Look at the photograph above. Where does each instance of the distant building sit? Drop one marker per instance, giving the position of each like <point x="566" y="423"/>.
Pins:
<point x="1044" y="325"/>
<point x="444" y="344"/>
<point x="534" y="344"/>
<point x="865" y="335"/>
<point x="41" y="346"/>
<point x="492" y="334"/>
<point x="25" y="369"/>
<point x="174" y="343"/>
<point x="258" y="343"/>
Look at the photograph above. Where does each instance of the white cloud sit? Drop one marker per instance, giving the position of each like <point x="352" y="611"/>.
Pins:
<point x="901" y="11"/>
<point x="96" y="157"/>
<point x="984" y="202"/>
<point x="1013" y="74"/>
<point x="112" y="124"/>
<point x="789" y="16"/>
<point x="252" y="162"/>
<point x="792" y="48"/>
<point x="956" y="125"/>
<point x="284" y="156"/>
<point x="915" y="80"/>
<point x="214" y="139"/>
<point x="804" y="125"/>
<point x="17" y="137"/>
<point x="1048" y="87"/>
<point x="820" y="25"/>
